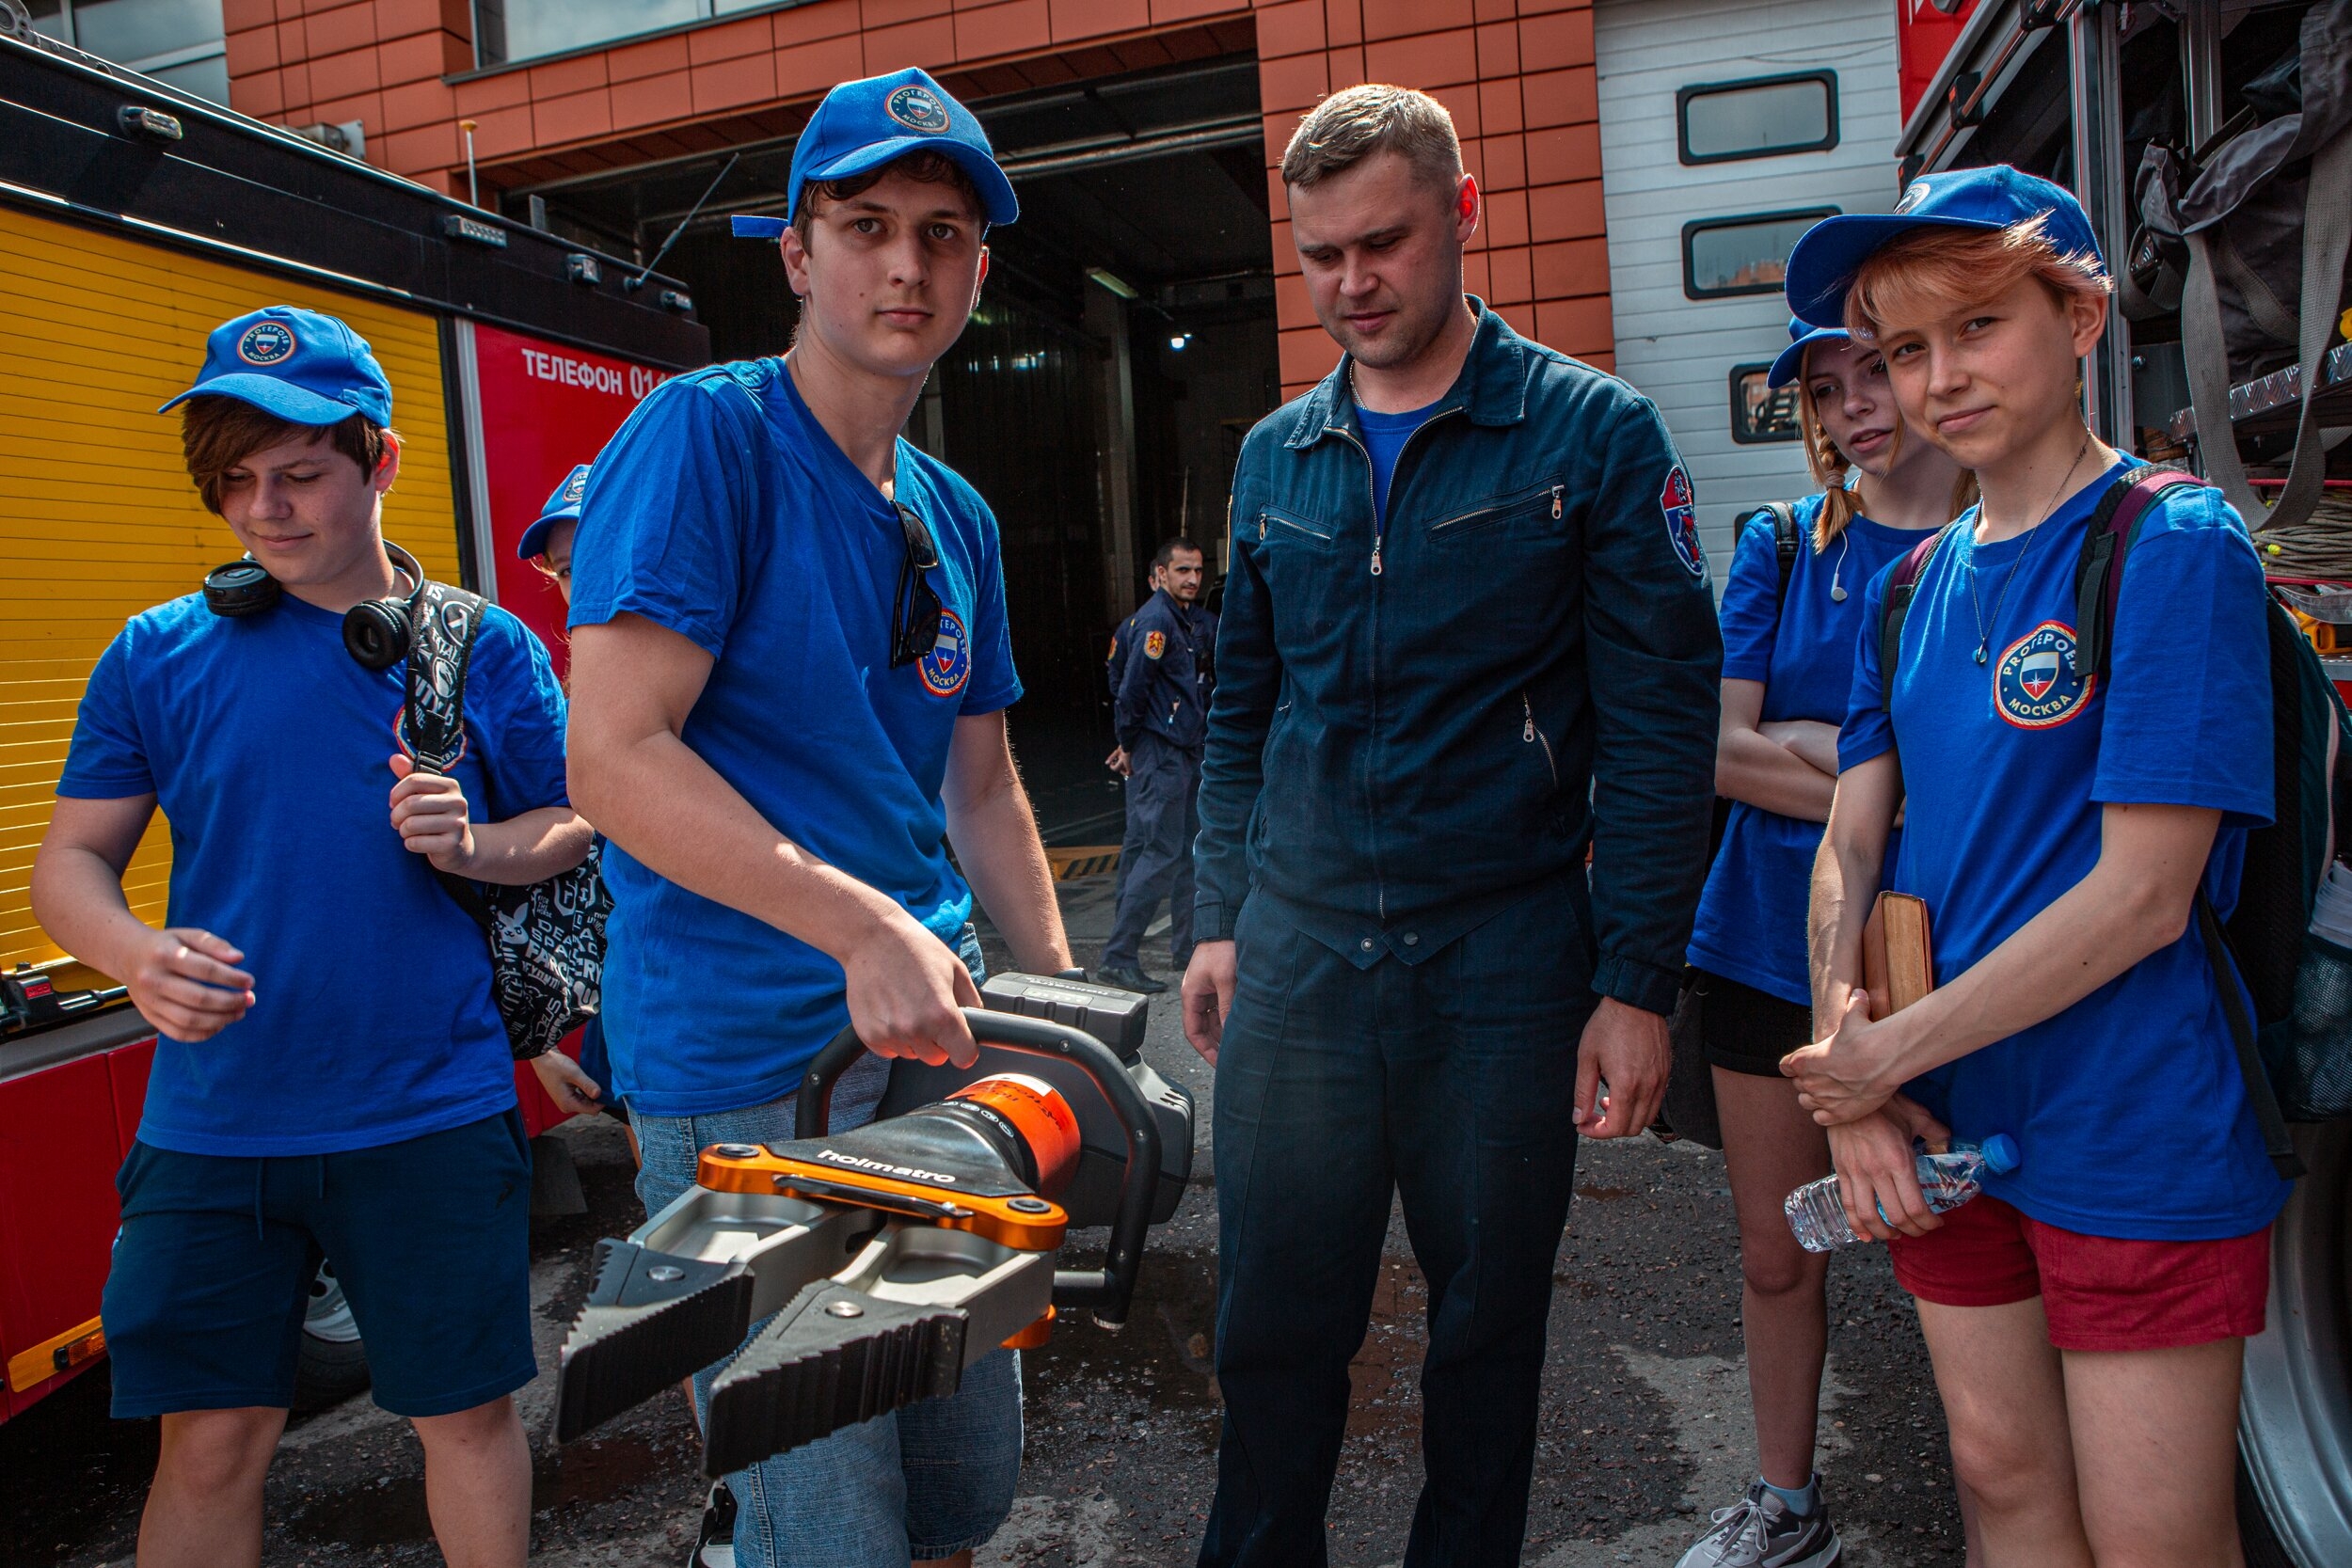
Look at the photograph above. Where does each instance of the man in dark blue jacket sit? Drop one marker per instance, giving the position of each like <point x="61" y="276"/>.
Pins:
<point x="1160" y="686"/>
<point x="1468" y="637"/>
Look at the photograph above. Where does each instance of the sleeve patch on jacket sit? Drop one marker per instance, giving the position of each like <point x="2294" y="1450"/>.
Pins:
<point x="1682" y="521"/>
<point x="1154" y="643"/>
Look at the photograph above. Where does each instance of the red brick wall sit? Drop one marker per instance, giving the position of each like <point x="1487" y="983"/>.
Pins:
<point x="1517" y="75"/>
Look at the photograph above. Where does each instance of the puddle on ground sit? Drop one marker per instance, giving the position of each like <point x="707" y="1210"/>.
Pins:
<point x="390" y="1510"/>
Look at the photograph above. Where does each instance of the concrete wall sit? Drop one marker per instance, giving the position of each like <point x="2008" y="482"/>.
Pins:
<point x="1518" y="75"/>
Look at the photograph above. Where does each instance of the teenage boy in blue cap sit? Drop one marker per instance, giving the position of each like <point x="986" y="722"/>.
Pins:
<point x="331" y="1074"/>
<point x="790" y="650"/>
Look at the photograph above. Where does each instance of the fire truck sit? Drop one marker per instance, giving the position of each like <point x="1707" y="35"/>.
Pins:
<point x="2076" y="90"/>
<point x="134" y="219"/>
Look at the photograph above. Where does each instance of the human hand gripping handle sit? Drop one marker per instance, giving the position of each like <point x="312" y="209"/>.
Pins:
<point x="185" y="982"/>
<point x="1208" y="996"/>
<point x="1626" y="1047"/>
<point x="430" y="814"/>
<point x="1877" y="1171"/>
<point x="907" y="992"/>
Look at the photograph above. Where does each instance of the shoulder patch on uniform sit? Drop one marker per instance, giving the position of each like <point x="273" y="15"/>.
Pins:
<point x="1114" y="652"/>
<point x="1154" y="643"/>
<point x="2034" y="684"/>
<point x="1682" y="521"/>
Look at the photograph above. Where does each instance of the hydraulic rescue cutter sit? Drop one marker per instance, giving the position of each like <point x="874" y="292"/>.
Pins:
<point x="894" y="1256"/>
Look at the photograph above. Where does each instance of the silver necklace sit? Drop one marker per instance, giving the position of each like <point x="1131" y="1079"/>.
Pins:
<point x="1984" y="632"/>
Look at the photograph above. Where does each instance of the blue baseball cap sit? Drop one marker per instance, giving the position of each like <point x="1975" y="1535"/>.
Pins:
<point x="1823" y="266"/>
<point x="299" y="365"/>
<point x="1803" y="335"/>
<point x="563" y="507"/>
<point x="863" y="125"/>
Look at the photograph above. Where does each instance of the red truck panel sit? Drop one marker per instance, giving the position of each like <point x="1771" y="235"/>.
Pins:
<point x="59" y="1147"/>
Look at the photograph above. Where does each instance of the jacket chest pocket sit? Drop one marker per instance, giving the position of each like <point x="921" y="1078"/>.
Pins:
<point x="1300" y="557"/>
<point x="1498" y="566"/>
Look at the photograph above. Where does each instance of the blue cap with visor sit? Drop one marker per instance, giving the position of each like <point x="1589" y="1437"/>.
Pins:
<point x="1803" y="335"/>
<point x="863" y="125"/>
<point x="302" y="367"/>
<point x="563" y="507"/>
<point x="1821" y="268"/>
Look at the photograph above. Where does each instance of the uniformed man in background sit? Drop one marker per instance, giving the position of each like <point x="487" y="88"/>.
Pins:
<point x="1161" y="674"/>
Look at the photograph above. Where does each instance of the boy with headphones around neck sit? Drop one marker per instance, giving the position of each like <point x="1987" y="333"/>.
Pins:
<point x="330" y="1074"/>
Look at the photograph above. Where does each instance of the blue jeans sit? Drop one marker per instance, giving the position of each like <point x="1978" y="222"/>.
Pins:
<point x="925" y="1481"/>
<point x="1450" y="1082"/>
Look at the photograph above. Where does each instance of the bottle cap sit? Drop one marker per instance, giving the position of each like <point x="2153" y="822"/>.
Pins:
<point x="2000" y="1153"/>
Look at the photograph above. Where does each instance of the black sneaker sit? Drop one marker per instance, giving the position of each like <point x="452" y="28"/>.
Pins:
<point x="714" y="1544"/>
<point x="1131" y="979"/>
<point x="1762" y="1531"/>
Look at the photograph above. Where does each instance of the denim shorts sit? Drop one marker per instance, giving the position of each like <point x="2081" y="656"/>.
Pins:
<point x="925" y="1481"/>
<point x="431" y="1238"/>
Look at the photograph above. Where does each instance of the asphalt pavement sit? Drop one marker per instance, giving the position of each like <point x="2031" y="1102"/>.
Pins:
<point x="1645" y="1423"/>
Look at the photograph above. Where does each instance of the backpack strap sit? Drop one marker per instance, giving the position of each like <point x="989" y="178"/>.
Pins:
<point x="443" y="622"/>
<point x="1902" y="584"/>
<point x="1787" y="542"/>
<point x="2260" y="1096"/>
<point x="2113" y="530"/>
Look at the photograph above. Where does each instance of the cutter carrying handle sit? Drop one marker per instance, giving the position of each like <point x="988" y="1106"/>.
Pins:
<point x="1107" y="1290"/>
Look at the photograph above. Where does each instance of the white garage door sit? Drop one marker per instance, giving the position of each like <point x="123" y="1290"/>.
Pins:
<point x="1695" y="298"/>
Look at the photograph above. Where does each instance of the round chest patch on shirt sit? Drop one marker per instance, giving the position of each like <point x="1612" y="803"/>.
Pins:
<point x="948" y="664"/>
<point x="267" y="343"/>
<point x="917" y="108"/>
<point x="2035" y="685"/>
<point x="1682" y="521"/>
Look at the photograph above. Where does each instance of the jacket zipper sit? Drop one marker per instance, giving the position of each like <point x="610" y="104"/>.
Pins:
<point x="1558" y="491"/>
<point x="1530" y="735"/>
<point x="1379" y="517"/>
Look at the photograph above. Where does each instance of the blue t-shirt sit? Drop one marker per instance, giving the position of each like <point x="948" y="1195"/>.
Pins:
<point x="724" y="512"/>
<point x="268" y="747"/>
<point x="1385" y="435"/>
<point x="2127" y="1107"/>
<point x="1751" y="923"/>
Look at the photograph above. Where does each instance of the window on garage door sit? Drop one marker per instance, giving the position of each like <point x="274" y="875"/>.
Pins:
<point x="1757" y="117"/>
<point x="1745" y="255"/>
<point x="1760" y="414"/>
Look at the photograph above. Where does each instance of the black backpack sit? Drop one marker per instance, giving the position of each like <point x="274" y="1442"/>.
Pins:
<point x="547" y="939"/>
<point x="2295" y="1050"/>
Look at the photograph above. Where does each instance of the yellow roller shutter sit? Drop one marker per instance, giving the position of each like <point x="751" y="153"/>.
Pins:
<point x="97" y="518"/>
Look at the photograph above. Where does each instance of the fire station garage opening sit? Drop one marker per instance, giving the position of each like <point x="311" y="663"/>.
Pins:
<point x="1124" y="345"/>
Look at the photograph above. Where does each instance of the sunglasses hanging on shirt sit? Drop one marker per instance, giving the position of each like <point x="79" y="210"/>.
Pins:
<point x="375" y="631"/>
<point x="914" y="608"/>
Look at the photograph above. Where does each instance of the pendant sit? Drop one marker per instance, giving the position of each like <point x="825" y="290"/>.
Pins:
<point x="1980" y="653"/>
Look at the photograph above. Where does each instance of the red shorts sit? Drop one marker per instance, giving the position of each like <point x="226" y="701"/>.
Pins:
<point x="2098" y="1292"/>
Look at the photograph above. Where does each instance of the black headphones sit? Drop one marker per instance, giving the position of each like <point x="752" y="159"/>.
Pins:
<point x="375" y="631"/>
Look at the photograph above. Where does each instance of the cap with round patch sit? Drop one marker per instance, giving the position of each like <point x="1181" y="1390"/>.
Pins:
<point x="563" y="507"/>
<point x="863" y="125"/>
<point x="1823" y="266"/>
<point x="302" y="366"/>
<point x="1803" y="335"/>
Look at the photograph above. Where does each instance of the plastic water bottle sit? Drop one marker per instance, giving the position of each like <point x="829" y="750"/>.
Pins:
<point x="1818" y="1214"/>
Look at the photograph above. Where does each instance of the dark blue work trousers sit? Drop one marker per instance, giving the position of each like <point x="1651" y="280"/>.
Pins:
<point x="1450" y="1081"/>
<point x="1156" y="862"/>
